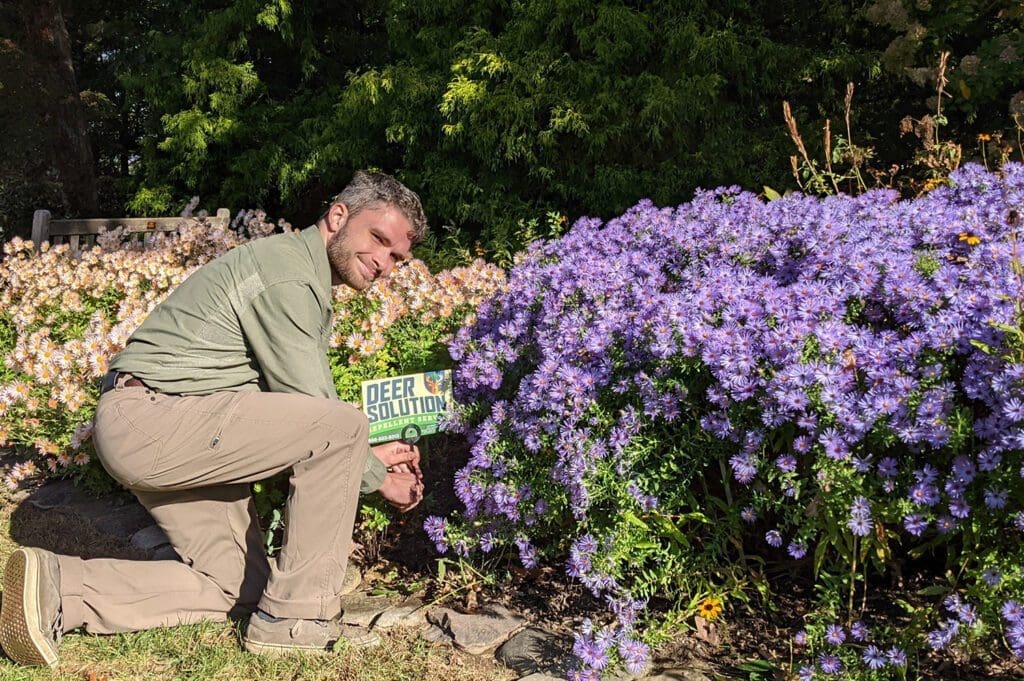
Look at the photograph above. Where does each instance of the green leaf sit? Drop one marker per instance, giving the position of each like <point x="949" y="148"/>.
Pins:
<point x="771" y="194"/>
<point x="936" y="590"/>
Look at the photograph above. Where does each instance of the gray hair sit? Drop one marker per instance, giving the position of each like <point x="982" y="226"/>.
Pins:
<point x="367" y="190"/>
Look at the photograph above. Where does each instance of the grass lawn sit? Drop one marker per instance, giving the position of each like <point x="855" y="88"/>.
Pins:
<point x="210" y="650"/>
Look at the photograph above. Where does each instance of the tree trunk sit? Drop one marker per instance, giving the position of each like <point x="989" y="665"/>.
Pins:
<point x="62" y="115"/>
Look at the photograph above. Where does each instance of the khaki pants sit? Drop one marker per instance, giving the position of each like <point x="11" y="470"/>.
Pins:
<point x="190" y="460"/>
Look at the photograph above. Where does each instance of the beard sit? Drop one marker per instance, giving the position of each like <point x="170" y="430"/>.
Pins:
<point x="344" y="269"/>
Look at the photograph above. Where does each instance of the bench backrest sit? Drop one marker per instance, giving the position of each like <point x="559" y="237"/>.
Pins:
<point x="81" y="234"/>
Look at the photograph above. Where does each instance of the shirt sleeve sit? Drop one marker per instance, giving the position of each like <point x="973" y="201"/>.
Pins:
<point x="283" y="329"/>
<point x="373" y="474"/>
<point x="282" y="326"/>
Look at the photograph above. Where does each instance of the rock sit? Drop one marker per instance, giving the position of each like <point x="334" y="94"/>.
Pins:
<point x="480" y="632"/>
<point x="408" y="613"/>
<point x="435" y="634"/>
<point x="358" y="637"/>
<point x="166" y="552"/>
<point x="541" y="676"/>
<point x="361" y="609"/>
<point x="679" y="675"/>
<point x="52" y="495"/>
<point x="150" y="538"/>
<point x="534" y="650"/>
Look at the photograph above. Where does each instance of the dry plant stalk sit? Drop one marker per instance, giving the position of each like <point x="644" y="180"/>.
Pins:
<point x="794" y="132"/>
<point x="847" y="107"/>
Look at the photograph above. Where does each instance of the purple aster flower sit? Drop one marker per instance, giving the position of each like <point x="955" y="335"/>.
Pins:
<point x="589" y="652"/>
<point x="835" y="634"/>
<point x="800" y="638"/>
<point x="774" y="538"/>
<point x="1013" y="611"/>
<point x="859" y="526"/>
<point x="744" y="468"/>
<point x="1018" y="520"/>
<point x="945" y="524"/>
<point x="830" y="664"/>
<point x="967" y="614"/>
<point x="797" y="549"/>
<point x="786" y="463"/>
<point x="925" y="494"/>
<point x="874" y="658"/>
<point x="436" y="528"/>
<point x="897" y="657"/>
<point x="992" y="577"/>
<point x="958" y="508"/>
<point x="806" y="673"/>
<point x="989" y="461"/>
<point x="859" y="631"/>
<point x="634" y="654"/>
<point x="915" y="524"/>
<point x="995" y="498"/>
<point x="940" y="639"/>
<point x="748" y="514"/>
<point x="860" y="517"/>
<point x="862" y="464"/>
<point x="888" y="467"/>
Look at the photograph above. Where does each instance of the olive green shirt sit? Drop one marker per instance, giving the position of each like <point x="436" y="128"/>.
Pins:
<point x="256" y="318"/>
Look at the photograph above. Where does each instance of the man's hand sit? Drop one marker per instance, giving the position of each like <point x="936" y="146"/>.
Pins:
<point x="403" y="490"/>
<point x="400" y="457"/>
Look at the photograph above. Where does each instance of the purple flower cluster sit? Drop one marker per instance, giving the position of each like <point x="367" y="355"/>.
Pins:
<point x="850" y="341"/>
<point x="838" y="641"/>
<point x="964" y="614"/>
<point x="593" y="648"/>
<point x="1013" y="614"/>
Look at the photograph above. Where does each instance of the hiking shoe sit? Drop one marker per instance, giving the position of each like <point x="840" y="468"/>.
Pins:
<point x="31" y="625"/>
<point x="268" y="635"/>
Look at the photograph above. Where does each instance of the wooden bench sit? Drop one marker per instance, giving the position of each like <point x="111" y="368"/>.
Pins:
<point x="81" y="234"/>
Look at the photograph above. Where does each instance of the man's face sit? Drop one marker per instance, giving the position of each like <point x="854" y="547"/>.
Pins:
<point x="367" y="245"/>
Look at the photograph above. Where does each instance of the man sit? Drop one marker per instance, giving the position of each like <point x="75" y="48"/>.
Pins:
<point x="226" y="383"/>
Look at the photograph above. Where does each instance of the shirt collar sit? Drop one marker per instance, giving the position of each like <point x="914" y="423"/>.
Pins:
<point x="318" y="254"/>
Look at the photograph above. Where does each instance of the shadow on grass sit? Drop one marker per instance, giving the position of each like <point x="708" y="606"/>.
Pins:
<point x="60" y="518"/>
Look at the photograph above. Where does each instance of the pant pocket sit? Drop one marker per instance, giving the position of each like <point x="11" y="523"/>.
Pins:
<point x="127" y="452"/>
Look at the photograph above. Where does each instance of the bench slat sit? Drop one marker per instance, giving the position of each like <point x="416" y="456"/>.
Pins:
<point x="130" y="225"/>
<point x="79" y="232"/>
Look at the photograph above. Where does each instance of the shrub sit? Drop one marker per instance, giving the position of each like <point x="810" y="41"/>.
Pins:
<point x="661" y="399"/>
<point x="64" y="316"/>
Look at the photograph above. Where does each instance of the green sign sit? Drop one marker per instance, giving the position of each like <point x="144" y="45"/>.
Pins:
<point x="406" y="407"/>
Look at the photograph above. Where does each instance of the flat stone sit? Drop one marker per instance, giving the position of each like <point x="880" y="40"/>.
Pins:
<point x="480" y="632"/>
<point x="679" y="675"/>
<point x="435" y="634"/>
<point x="540" y="676"/>
<point x="360" y="638"/>
<point x="166" y="552"/>
<point x="408" y="613"/>
<point x="536" y="651"/>
<point x="150" y="538"/>
<point x="52" y="495"/>
<point x="361" y="609"/>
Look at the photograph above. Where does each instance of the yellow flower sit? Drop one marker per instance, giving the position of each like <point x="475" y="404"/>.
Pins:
<point x="710" y="608"/>
<point x="984" y="137"/>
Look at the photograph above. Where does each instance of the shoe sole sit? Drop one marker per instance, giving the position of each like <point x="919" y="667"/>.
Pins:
<point x="20" y="627"/>
<point x="279" y="649"/>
